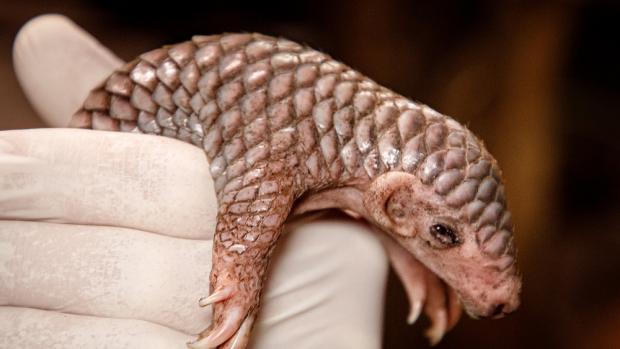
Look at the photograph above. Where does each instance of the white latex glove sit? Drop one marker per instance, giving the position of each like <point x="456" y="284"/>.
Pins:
<point x="105" y="237"/>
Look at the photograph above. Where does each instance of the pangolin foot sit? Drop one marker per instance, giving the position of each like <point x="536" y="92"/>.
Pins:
<point x="425" y="292"/>
<point x="231" y="329"/>
<point x="442" y="308"/>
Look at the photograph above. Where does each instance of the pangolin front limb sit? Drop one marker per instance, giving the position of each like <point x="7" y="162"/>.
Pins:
<point x="284" y="125"/>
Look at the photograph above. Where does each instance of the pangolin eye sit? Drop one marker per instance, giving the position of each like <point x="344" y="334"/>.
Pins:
<point x="445" y="235"/>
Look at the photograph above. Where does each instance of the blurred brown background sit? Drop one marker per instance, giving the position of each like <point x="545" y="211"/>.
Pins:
<point x="538" y="80"/>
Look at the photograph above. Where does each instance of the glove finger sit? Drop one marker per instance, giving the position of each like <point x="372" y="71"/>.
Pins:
<point x="87" y="177"/>
<point x="57" y="63"/>
<point x="106" y="272"/>
<point x="28" y="328"/>
<point x="325" y="288"/>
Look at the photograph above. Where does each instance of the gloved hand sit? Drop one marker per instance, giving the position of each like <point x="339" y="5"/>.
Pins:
<point x="105" y="238"/>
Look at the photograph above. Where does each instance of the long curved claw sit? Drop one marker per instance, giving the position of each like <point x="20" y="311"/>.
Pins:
<point x="231" y="322"/>
<point x="438" y="328"/>
<point x="412" y="275"/>
<point x="436" y="308"/>
<point x="242" y="337"/>
<point x="443" y="308"/>
<point x="415" y="308"/>
<point x="416" y="292"/>
<point x="221" y="294"/>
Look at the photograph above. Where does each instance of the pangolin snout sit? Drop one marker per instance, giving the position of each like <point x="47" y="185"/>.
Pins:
<point x="501" y="309"/>
<point x="503" y="303"/>
<point x="492" y="301"/>
<point x="496" y="309"/>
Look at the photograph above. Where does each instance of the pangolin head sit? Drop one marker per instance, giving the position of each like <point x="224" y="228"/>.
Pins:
<point x="446" y="205"/>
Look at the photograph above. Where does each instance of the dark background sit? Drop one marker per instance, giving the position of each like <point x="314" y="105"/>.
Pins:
<point x="537" y="80"/>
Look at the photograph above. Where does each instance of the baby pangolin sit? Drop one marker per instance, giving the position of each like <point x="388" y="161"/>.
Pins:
<point x="287" y="130"/>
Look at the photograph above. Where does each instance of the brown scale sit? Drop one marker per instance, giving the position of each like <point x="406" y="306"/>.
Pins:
<point x="278" y="120"/>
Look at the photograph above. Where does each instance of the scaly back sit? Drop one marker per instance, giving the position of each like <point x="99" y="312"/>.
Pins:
<point x="250" y="100"/>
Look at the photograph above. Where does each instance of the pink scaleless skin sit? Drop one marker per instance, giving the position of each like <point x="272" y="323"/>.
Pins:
<point x="288" y="130"/>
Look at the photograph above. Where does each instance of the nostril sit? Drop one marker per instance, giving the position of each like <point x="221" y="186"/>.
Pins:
<point x="498" y="309"/>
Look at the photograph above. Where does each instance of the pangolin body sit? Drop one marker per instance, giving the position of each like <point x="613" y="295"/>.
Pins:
<point x="278" y="121"/>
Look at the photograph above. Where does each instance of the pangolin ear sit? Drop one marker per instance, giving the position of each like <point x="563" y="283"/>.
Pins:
<point x="380" y="191"/>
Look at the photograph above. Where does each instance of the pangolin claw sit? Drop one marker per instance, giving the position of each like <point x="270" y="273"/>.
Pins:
<point x="412" y="274"/>
<point x="439" y="320"/>
<point x="223" y="332"/>
<point x="415" y="310"/>
<point x="242" y="337"/>
<point x="437" y="307"/>
<point x="221" y="294"/>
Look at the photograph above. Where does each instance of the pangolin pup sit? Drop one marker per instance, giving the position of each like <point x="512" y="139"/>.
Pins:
<point x="286" y="130"/>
